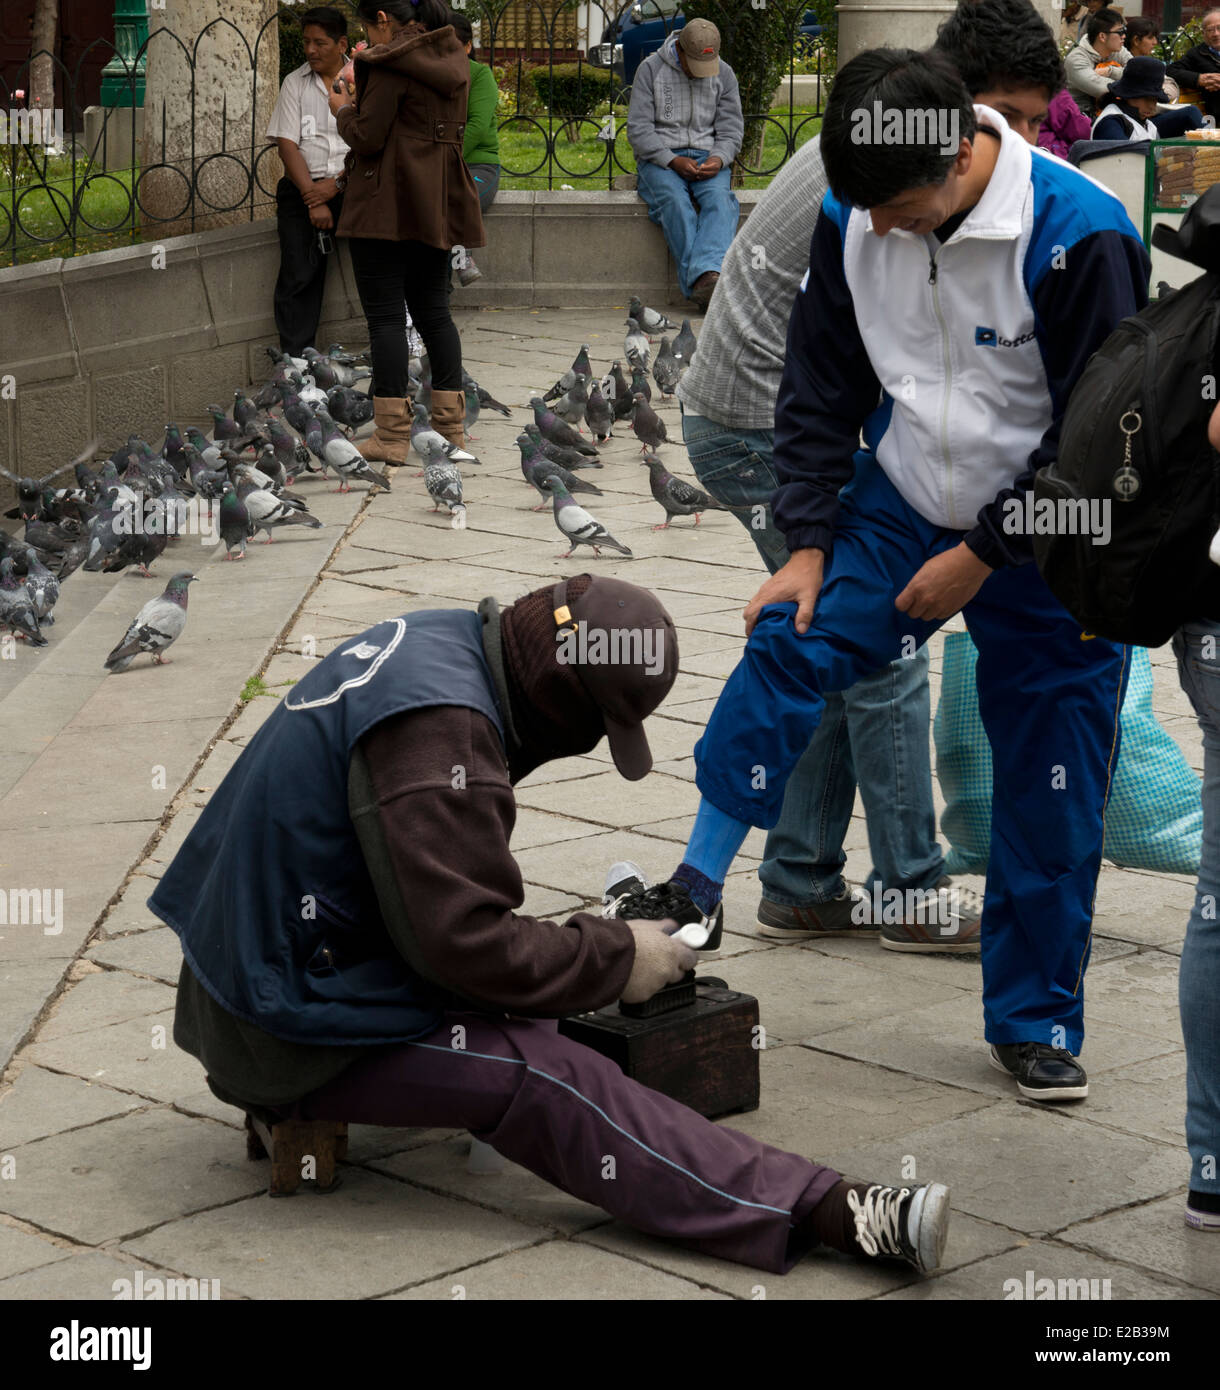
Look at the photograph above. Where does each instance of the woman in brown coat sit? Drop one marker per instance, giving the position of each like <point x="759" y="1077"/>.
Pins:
<point x="409" y="202"/>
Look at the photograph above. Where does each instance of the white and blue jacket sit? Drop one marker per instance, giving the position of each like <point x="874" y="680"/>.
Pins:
<point x="971" y="347"/>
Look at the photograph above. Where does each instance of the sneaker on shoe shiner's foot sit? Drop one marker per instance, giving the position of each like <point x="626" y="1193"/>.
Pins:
<point x="1203" y="1211"/>
<point x="629" y="896"/>
<point x="945" y="922"/>
<point x="1042" y="1072"/>
<point x="846" y="915"/>
<point x="903" y="1223"/>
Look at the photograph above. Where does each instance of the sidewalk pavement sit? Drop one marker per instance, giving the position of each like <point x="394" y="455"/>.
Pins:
<point x="117" y="1158"/>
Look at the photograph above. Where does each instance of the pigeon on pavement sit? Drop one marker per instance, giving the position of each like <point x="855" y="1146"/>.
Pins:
<point x="650" y="320"/>
<point x="424" y="440"/>
<point x="684" y="345"/>
<point x="561" y="454"/>
<point x="617" y="391"/>
<point x="635" y="345"/>
<point x="580" y="367"/>
<point x="16" y="606"/>
<point x="578" y="526"/>
<point x="571" y="407"/>
<point x="648" y="426"/>
<point x="155" y="627"/>
<point x="665" y="370"/>
<point x="537" y="467"/>
<point x="42" y="587"/>
<point x="443" y="479"/>
<point x="343" y="456"/>
<point x="598" y="414"/>
<point x="677" y="497"/>
<point x="554" y="429"/>
<point x="234" y="523"/>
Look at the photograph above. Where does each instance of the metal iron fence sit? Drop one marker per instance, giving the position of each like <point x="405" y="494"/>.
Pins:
<point x="194" y="155"/>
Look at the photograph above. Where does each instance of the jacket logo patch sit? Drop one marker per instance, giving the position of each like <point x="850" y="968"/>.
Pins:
<point x="988" y="337"/>
<point x="363" y="650"/>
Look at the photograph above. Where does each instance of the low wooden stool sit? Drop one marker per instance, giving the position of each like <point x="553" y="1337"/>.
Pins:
<point x="290" y="1142"/>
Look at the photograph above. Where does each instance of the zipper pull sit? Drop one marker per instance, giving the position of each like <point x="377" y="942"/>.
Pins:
<point x="932" y="270"/>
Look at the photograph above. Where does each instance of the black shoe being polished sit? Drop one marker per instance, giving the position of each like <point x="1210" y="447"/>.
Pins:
<point x="628" y="896"/>
<point x="1042" y="1072"/>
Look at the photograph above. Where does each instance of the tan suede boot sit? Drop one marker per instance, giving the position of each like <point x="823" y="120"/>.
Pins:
<point x="390" y="442"/>
<point x="449" y="416"/>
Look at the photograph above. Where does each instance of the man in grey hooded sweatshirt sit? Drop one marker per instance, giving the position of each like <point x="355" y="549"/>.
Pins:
<point x="685" y="127"/>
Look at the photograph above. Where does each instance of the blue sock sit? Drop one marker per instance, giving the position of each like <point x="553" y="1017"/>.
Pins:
<point x="713" y="845"/>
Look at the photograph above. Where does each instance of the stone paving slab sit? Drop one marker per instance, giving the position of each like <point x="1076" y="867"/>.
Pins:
<point x="154" y="953"/>
<point x="373" y="1236"/>
<point x="42" y="1102"/>
<point x="79" y="1278"/>
<point x="136" y="1055"/>
<point x="21" y="1251"/>
<point x="1154" y="1237"/>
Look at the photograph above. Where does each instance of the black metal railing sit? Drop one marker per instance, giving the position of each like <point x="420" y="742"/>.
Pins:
<point x="195" y="155"/>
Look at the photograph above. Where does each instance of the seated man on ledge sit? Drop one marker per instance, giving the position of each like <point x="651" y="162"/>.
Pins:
<point x="347" y="905"/>
<point x="685" y="127"/>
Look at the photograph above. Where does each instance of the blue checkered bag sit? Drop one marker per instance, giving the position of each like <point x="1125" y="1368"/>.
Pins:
<point x="1155" y="816"/>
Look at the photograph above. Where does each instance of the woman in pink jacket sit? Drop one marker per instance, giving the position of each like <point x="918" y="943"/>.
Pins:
<point x="1064" y="125"/>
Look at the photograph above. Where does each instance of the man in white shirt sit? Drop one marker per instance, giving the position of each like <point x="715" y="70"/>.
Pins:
<point x="308" y="199"/>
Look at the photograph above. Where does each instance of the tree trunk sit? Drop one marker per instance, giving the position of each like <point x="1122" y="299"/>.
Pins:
<point x="42" y="68"/>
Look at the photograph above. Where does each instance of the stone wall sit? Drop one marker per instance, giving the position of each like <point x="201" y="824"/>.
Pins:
<point x="115" y="342"/>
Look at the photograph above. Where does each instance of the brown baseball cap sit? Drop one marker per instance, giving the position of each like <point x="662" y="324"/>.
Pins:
<point x="623" y="647"/>
<point x="699" y="39"/>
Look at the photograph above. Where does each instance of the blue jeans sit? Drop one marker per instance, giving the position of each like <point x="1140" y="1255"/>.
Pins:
<point x="1172" y="125"/>
<point x="876" y="732"/>
<point x="698" y="232"/>
<point x="1196" y="646"/>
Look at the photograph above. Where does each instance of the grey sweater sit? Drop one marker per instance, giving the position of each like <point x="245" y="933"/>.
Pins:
<point x="734" y="378"/>
<point x="670" y="111"/>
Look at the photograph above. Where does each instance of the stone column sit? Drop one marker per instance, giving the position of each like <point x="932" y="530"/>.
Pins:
<point x="212" y="79"/>
<point x="905" y="23"/>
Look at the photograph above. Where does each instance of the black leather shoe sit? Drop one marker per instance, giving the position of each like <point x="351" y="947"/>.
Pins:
<point x="1042" y="1072"/>
<point x="628" y="895"/>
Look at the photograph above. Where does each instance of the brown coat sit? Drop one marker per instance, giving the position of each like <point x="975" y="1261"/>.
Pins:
<point x="406" y="179"/>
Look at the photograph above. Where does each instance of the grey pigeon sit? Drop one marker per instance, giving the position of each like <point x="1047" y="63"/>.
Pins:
<point x="443" y="479"/>
<point x="677" y="497"/>
<point x="684" y="345"/>
<point x="536" y="467"/>
<point x="473" y="408"/>
<point x="17" y="607"/>
<point x="553" y="428"/>
<point x="267" y="511"/>
<point x="577" y="525"/>
<point x="234" y="523"/>
<point x="155" y="627"/>
<point x="349" y="407"/>
<point x="648" y="426"/>
<point x="560" y="454"/>
<point x="42" y="587"/>
<point x="571" y="407"/>
<point x="426" y="440"/>
<point x="343" y="456"/>
<point x="598" y="414"/>
<point x="665" y="370"/>
<point x="486" y="399"/>
<point x="617" y="391"/>
<point x="639" y="382"/>
<point x="635" y="345"/>
<point x="580" y="367"/>
<point x="650" y="320"/>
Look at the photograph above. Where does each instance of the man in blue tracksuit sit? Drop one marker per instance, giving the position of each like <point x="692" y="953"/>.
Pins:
<point x="950" y="306"/>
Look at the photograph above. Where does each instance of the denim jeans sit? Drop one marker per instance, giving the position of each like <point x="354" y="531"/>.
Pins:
<point x="698" y="232"/>
<point x="876" y="733"/>
<point x="1197" y="647"/>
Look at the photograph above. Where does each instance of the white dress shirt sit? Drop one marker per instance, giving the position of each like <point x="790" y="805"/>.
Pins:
<point x="302" y="115"/>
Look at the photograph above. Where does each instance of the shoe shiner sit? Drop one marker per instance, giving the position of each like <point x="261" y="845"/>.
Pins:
<point x="949" y="281"/>
<point x="347" y="905"/>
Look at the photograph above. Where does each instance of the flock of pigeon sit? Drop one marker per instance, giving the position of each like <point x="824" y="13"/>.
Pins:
<point x="124" y="511"/>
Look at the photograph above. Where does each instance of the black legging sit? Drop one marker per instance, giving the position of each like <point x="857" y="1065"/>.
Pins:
<point x="387" y="274"/>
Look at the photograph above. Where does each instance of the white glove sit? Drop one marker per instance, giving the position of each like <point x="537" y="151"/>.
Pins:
<point x="660" y="960"/>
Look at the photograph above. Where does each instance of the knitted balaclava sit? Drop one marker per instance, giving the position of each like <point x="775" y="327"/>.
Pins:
<point x="553" y="714"/>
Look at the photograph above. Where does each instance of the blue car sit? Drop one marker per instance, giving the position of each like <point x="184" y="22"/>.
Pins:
<point x="643" y="28"/>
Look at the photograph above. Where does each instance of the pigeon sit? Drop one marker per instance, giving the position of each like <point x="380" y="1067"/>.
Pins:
<point x="345" y="458"/>
<point x="486" y="399"/>
<point x="331" y="371"/>
<point x="245" y="412"/>
<point x="617" y="392"/>
<point x="649" y="319"/>
<point x="140" y="545"/>
<point x="42" y="587"/>
<point x="289" y="453"/>
<point x="578" y="525"/>
<point x="665" y="370"/>
<point x="648" y="426"/>
<point x="561" y="454"/>
<point x="234" y="523"/>
<point x="29" y="490"/>
<point x="155" y="627"/>
<point x="684" y="345"/>
<point x="338" y="353"/>
<point x="349" y="407"/>
<point x="323" y="372"/>
<point x="598" y="414"/>
<point x="17" y="611"/>
<point x="443" y="479"/>
<point x="639" y="382"/>
<point x="580" y="367"/>
<point x="536" y="467"/>
<point x="424" y="439"/>
<point x="473" y="406"/>
<point x="266" y="511"/>
<point x="554" y="429"/>
<point x="635" y="345"/>
<point x="571" y="407"/>
<point x="677" y="497"/>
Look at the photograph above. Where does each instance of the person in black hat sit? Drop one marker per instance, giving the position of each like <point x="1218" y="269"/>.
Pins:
<point x="348" y="908"/>
<point x="1132" y="112"/>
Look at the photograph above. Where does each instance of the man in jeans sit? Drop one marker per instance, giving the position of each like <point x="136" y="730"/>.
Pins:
<point x="685" y="127"/>
<point x="947" y="313"/>
<point x="309" y="198"/>
<point x="876" y="733"/>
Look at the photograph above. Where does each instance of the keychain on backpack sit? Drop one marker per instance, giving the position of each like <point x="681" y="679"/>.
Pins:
<point x="1126" y="482"/>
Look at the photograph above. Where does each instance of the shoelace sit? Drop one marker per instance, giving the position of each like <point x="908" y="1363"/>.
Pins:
<point x="878" y="1218"/>
<point x="651" y="904"/>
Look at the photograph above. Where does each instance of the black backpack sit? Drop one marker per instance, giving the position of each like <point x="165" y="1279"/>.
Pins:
<point x="1134" y="436"/>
